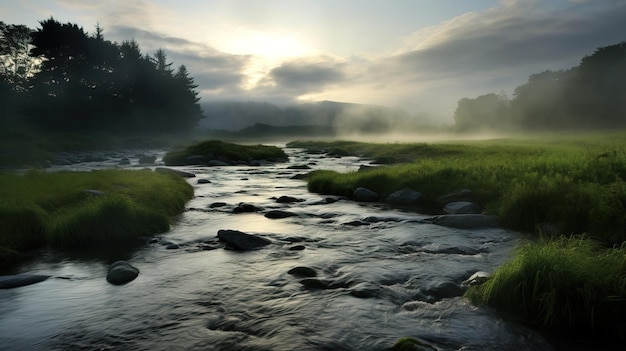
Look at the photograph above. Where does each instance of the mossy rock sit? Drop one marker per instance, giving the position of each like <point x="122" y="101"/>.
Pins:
<point x="215" y="149"/>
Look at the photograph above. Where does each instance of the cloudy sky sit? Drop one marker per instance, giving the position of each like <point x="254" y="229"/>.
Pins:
<point x="419" y="55"/>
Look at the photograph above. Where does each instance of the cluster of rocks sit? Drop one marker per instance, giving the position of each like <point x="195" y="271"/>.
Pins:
<point x="68" y="159"/>
<point x="211" y="160"/>
<point x="119" y="273"/>
<point x="459" y="210"/>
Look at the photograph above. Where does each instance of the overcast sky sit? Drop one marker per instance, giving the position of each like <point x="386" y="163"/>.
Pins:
<point x="419" y="55"/>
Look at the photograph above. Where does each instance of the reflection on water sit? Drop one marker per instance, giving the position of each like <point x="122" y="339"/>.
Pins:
<point x="193" y="298"/>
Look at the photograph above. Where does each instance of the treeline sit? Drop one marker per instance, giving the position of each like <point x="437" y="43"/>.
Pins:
<point x="60" y="78"/>
<point x="334" y="117"/>
<point x="591" y="95"/>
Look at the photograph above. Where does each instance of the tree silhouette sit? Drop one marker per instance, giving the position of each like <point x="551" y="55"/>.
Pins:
<point x="89" y="83"/>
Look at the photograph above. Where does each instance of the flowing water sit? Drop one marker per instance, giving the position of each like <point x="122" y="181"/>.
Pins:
<point x="204" y="297"/>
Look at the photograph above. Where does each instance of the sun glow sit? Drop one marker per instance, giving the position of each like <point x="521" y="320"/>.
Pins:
<point x="267" y="51"/>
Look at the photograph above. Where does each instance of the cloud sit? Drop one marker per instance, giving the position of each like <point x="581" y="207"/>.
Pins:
<point x="466" y="56"/>
<point x="304" y="76"/>
<point x="481" y="52"/>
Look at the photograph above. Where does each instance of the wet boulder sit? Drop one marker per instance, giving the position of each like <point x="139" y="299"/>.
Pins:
<point x="121" y="272"/>
<point x="288" y="200"/>
<point x="462" y="207"/>
<point x="365" y="290"/>
<point x="241" y="241"/>
<point x="244" y="207"/>
<point x="365" y="195"/>
<point x="204" y="181"/>
<point x="277" y="214"/>
<point x="404" y="197"/>
<point x="18" y="280"/>
<point x="302" y="271"/>
<point x="464" y="221"/>
<point x="443" y="290"/>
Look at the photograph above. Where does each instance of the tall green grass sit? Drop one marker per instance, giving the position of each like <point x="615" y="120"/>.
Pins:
<point x="87" y="209"/>
<point x="564" y="284"/>
<point x="577" y="186"/>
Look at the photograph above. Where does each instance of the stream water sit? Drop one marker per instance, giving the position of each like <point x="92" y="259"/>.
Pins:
<point x="199" y="297"/>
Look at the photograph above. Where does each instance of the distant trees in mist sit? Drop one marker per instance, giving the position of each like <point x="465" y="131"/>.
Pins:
<point x="58" y="77"/>
<point x="591" y="95"/>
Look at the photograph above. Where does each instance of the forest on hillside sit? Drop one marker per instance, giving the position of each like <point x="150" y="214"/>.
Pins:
<point x="59" y="78"/>
<point x="591" y="95"/>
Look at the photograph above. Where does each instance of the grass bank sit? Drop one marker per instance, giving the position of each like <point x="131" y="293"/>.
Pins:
<point x="566" y="284"/>
<point x="574" y="281"/>
<point x="86" y="209"/>
<point x="573" y="183"/>
<point x="224" y="151"/>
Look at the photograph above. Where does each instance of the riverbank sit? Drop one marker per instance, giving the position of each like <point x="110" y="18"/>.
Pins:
<point x="557" y="187"/>
<point x="86" y="210"/>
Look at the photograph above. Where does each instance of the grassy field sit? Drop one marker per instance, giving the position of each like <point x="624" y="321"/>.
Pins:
<point x="86" y="209"/>
<point x="574" y="280"/>
<point x="574" y="183"/>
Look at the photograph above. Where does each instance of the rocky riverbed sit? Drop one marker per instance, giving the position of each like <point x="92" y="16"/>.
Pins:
<point x="259" y="263"/>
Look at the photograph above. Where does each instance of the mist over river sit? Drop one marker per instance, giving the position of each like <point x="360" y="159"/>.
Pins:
<point x="383" y="267"/>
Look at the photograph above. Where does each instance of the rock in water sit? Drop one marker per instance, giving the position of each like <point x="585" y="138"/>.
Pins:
<point x="464" y="221"/>
<point x="462" y="207"/>
<point x="288" y="199"/>
<point x="121" y="272"/>
<point x="240" y="240"/>
<point x="277" y="214"/>
<point x="302" y="271"/>
<point x="15" y="281"/>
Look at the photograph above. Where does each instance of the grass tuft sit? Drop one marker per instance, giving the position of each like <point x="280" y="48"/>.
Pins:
<point x="565" y="284"/>
<point x="114" y="219"/>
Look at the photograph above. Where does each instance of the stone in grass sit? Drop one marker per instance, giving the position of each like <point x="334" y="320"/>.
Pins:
<point x="121" y="272"/>
<point x="365" y="195"/>
<point x="404" y="197"/>
<point x="462" y="207"/>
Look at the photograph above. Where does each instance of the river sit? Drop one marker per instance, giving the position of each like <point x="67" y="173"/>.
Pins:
<point x="204" y="297"/>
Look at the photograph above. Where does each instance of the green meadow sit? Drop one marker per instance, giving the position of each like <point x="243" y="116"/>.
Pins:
<point x="86" y="210"/>
<point x="572" y="277"/>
